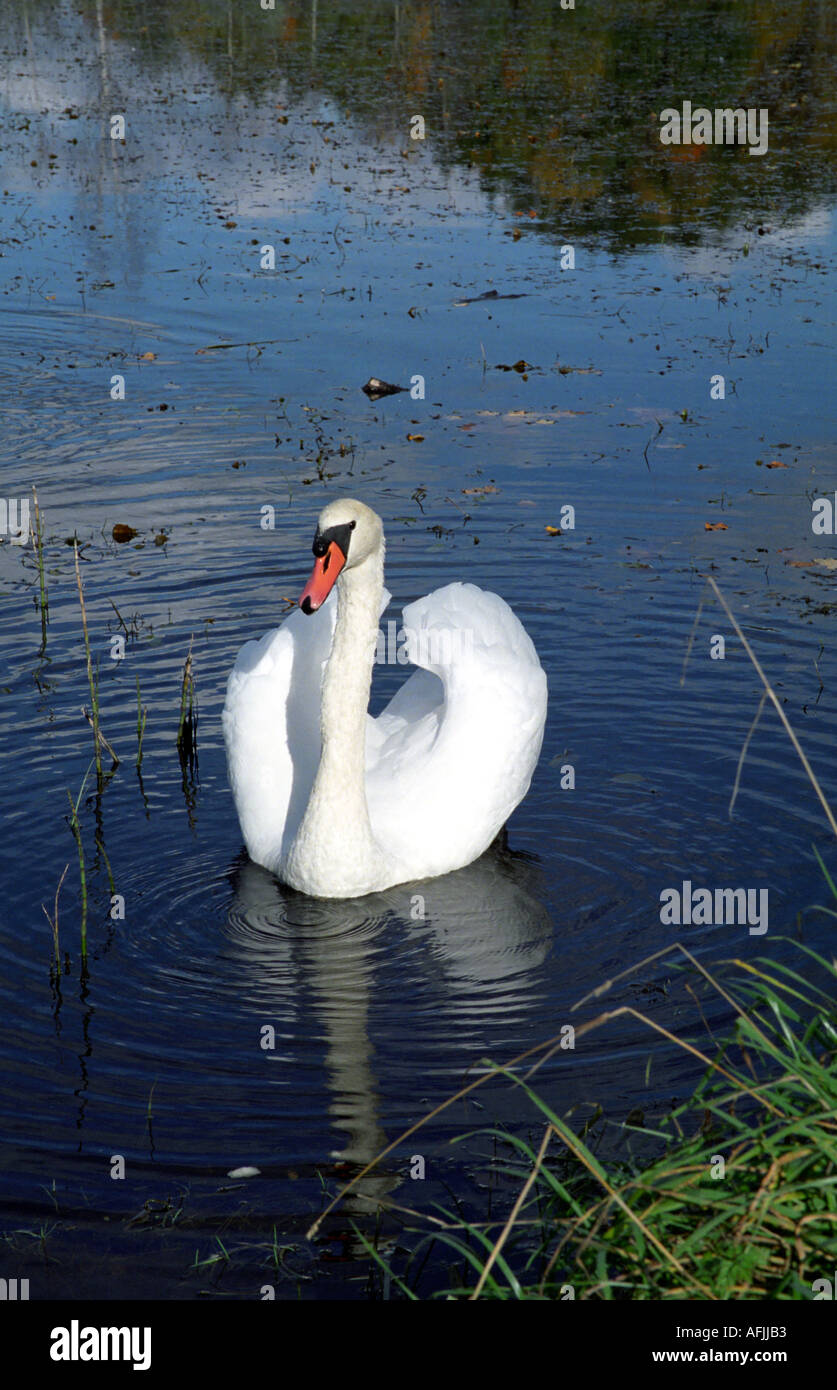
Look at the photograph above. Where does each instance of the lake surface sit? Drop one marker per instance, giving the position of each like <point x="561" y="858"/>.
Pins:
<point x="624" y="275"/>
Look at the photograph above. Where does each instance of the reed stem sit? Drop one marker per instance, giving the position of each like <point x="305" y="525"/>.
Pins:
<point x="142" y="715"/>
<point x="53" y="922"/>
<point x="91" y="679"/>
<point x="76" y="829"/>
<point x="39" y="550"/>
<point x="186" y="733"/>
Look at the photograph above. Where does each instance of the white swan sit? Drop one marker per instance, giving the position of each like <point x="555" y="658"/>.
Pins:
<point x="338" y="804"/>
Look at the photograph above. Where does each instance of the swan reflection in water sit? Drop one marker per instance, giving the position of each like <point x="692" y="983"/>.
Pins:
<point x="471" y="959"/>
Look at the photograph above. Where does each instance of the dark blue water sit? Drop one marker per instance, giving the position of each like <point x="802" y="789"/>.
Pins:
<point x="242" y="392"/>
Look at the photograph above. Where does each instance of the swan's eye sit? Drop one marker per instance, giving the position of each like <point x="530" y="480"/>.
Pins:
<point x="352" y="525"/>
<point x="335" y="535"/>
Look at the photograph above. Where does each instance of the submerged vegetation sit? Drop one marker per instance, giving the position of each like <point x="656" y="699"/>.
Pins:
<point x="186" y="739"/>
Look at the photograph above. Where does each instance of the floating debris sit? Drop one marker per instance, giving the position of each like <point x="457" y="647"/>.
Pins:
<point x="122" y="533"/>
<point x="531" y="417"/>
<point x="489" y="294"/>
<point x="375" y="388"/>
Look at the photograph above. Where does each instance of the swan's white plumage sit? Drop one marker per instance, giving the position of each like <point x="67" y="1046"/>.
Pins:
<point x="447" y="760"/>
<point x="453" y="752"/>
<point x="271" y="724"/>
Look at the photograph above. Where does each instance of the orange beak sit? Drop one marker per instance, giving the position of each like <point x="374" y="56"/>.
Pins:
<point x="323" y="578"/>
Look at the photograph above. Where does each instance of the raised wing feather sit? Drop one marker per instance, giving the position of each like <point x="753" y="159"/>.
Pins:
<point x="453" y="752"/>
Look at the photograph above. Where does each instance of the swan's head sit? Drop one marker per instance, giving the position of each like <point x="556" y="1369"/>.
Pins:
<point x="347" y="534"/>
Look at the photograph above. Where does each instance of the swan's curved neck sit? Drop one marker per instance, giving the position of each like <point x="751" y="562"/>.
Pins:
<point x="335" y="840"/>
<point x="348" y="678"/>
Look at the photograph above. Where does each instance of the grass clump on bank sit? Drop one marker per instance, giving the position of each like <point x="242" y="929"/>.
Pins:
<point x="739" y="1200"/>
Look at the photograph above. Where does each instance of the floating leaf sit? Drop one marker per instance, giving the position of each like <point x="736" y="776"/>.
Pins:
<point x="715" y="526"/>
<point x="122" y="533"/>
<point x="829" y="562"/>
